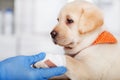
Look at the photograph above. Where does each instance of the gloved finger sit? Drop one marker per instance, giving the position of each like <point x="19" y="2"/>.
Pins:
<point x="51" y="72"/>
<point x="33" y="59"/>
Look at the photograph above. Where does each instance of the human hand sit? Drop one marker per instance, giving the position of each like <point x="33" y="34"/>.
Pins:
<point x="19" y="68"/>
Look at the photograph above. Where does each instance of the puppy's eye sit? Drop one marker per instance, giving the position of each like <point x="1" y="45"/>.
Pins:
<point x="69" y="21"/>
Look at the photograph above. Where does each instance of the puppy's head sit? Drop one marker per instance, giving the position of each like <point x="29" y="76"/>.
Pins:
<point x="75" y="20"/>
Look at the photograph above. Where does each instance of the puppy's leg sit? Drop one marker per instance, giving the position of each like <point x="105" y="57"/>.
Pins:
<point x="53" y="61"/>
<point x="76" y="69"/>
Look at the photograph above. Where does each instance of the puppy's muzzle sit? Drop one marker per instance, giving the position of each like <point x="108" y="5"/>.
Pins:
<point x="54" y="34"/>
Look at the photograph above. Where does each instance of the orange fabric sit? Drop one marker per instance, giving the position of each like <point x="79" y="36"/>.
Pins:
<point x="105" y="37"/>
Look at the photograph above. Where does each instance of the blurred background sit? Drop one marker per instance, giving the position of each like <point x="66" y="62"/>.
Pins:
<point x="25" y="24"/>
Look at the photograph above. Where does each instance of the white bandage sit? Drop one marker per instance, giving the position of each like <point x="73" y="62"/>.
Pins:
<point x="51" y="60"/>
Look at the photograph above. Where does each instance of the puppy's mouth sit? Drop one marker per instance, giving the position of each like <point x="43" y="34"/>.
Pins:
<point x="67" y="46"/>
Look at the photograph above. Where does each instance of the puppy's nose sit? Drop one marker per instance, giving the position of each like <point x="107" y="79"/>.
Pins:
<point x="53" y="34"/>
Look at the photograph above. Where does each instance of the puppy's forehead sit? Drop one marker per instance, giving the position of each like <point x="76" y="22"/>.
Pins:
<point x="75" y="6"/>
<point x="70" y="10"/>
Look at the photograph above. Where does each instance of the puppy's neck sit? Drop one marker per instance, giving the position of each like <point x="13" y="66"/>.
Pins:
<point x="86" y="42"/>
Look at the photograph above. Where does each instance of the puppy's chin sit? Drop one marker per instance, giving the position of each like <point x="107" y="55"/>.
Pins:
<point x="68" y="45"/>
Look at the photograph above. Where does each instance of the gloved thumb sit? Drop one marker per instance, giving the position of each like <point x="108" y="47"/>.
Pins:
<point x="33" y="59"/>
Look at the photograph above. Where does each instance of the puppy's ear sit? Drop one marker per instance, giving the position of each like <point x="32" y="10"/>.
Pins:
<point x="91" y="18"/>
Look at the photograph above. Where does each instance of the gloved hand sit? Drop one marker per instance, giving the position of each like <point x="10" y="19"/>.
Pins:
<point x="19" y="68"/>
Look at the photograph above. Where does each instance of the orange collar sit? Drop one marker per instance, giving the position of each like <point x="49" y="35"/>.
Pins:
<point x="105" y="37"/>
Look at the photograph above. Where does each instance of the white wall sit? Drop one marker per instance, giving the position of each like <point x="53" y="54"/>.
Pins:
<point x="111" y="11"/>
<point x="36" y="16"/>
<point x="34" y="19"/>
<point x="7" y="47"/>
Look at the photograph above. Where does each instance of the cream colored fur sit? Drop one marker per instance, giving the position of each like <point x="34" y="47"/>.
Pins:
<point x="92" y="62"/>
<point x="96" y="62"/>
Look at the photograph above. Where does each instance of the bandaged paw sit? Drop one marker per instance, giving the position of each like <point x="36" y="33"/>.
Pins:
<point x="51" y="60"/>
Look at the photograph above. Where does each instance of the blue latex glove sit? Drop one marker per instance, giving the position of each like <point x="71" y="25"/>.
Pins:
<point x="19" y="68"/>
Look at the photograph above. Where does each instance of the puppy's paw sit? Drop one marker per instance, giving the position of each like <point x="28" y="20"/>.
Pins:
<point x="51" y="60"/>
<point x="40" y="65"/>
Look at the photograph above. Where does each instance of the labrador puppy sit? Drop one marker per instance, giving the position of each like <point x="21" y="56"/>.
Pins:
<point x="92" y="53"/>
